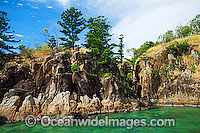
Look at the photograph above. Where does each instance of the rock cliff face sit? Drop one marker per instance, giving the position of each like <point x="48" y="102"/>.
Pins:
<point x="166" y="79"/>
<point x="48" y="87"/>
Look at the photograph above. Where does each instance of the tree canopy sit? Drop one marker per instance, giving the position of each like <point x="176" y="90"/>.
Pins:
<point x="5" y="34"/>
<point x="72" y="24"/>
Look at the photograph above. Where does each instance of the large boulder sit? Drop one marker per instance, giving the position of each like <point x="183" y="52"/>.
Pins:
<point x="29" y="106"/>
<point x="9" y="106"/>
<point x="60" y="104"/>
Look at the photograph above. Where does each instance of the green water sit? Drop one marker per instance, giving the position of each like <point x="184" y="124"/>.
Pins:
<point x="187" y="120"/>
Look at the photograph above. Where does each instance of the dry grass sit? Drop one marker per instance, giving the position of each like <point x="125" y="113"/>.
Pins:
<point x="193" y="39"/>
<point x="83" y="50"/>
<point x="43" y="52"/>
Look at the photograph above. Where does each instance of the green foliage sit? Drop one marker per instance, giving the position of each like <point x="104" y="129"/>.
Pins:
<point x="129" y="75"/>
<point x="195" y="24"/>
<point x="24" y="64"/>
<point x="172" y="49"/>
<point x="49" y="39"/>
<point x="126" y="86"/>
<point x="178" y="49"/>
<point x="97" y="41"/>
<point x="155" y="72"/>
<point x="72" y="24"/>
<point x="106" y="74"/>
<point x="183" y="31"/>
<point x="167" y="37"/>
<point x="26" y="52"/>
<point x="193" y="69"/>
<point x="143" y="48"/>
<point x="166" y="61"/>
<point x="5" y="34"/>
<point x="182" y="68"/>
<point x="121" y="74"/>
<point x="74" y="67"/>
<point x="183" y="47"/>
<point x="94" y="75"/>
<point x="132" y="52"/>
<point x="3" y="59"/>
<point x="121" y="46"/>
<point x="179" y="59"/>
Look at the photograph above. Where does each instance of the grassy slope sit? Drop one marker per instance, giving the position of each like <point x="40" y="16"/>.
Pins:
<point x="192" y="40"/>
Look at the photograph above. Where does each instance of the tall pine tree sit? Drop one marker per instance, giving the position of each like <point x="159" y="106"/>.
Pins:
<point x="121" y="46"/>
<point x="97" y="41"/>
<point x="5" y="34"/>
<point x="72" y="23"/>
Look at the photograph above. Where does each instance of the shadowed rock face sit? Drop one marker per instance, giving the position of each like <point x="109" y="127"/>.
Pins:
<point x="84" y="84"/>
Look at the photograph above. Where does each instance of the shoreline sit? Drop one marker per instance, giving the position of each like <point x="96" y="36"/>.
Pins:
<point x="90" y="114"/>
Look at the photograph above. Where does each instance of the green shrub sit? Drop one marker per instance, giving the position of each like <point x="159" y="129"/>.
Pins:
<point x="178" y="49"/>
<point x="126" y="86"/>
<point x="74" y="67"/>
<point x="106" y="74"/>
<point x="28" y="56"/>
<point x="155" y="71"/>
<point x="143" y="48"/>
<point x="172" y="49"/>
<point x="129" y="75"/>
<point x="121" y="74"/>
<point x="193" y="69"/>
<point x="179" y="59"/>
<point x="94" y="75"/>
<point x="182" y="68"/>
<point x="24" y="64"/>
<point x="166" y="61"/>
<point x="183" y="47"/>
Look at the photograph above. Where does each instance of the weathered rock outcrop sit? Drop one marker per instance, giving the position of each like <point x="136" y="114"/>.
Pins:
<point x="48" y="87"/>
<point x="166" y="79"/>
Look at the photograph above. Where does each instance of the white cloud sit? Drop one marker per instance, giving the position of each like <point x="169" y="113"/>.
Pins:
<point x="5" y="1"/>
<point x="35" y="7"/>
<point x="153" y="18"/>
<point x="64" y="3"/>
<point x="18" y="35"/>
<point x="19" y="4"/>
<point x="9" y="34"/>
<point x="43" y="1"/>
<point x="50" y="7"/>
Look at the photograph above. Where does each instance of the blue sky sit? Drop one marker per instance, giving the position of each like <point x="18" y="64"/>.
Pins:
<point x="138" y="20"/>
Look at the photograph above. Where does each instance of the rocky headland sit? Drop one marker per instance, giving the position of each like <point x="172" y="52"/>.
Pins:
<point x="47" y="86"/>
